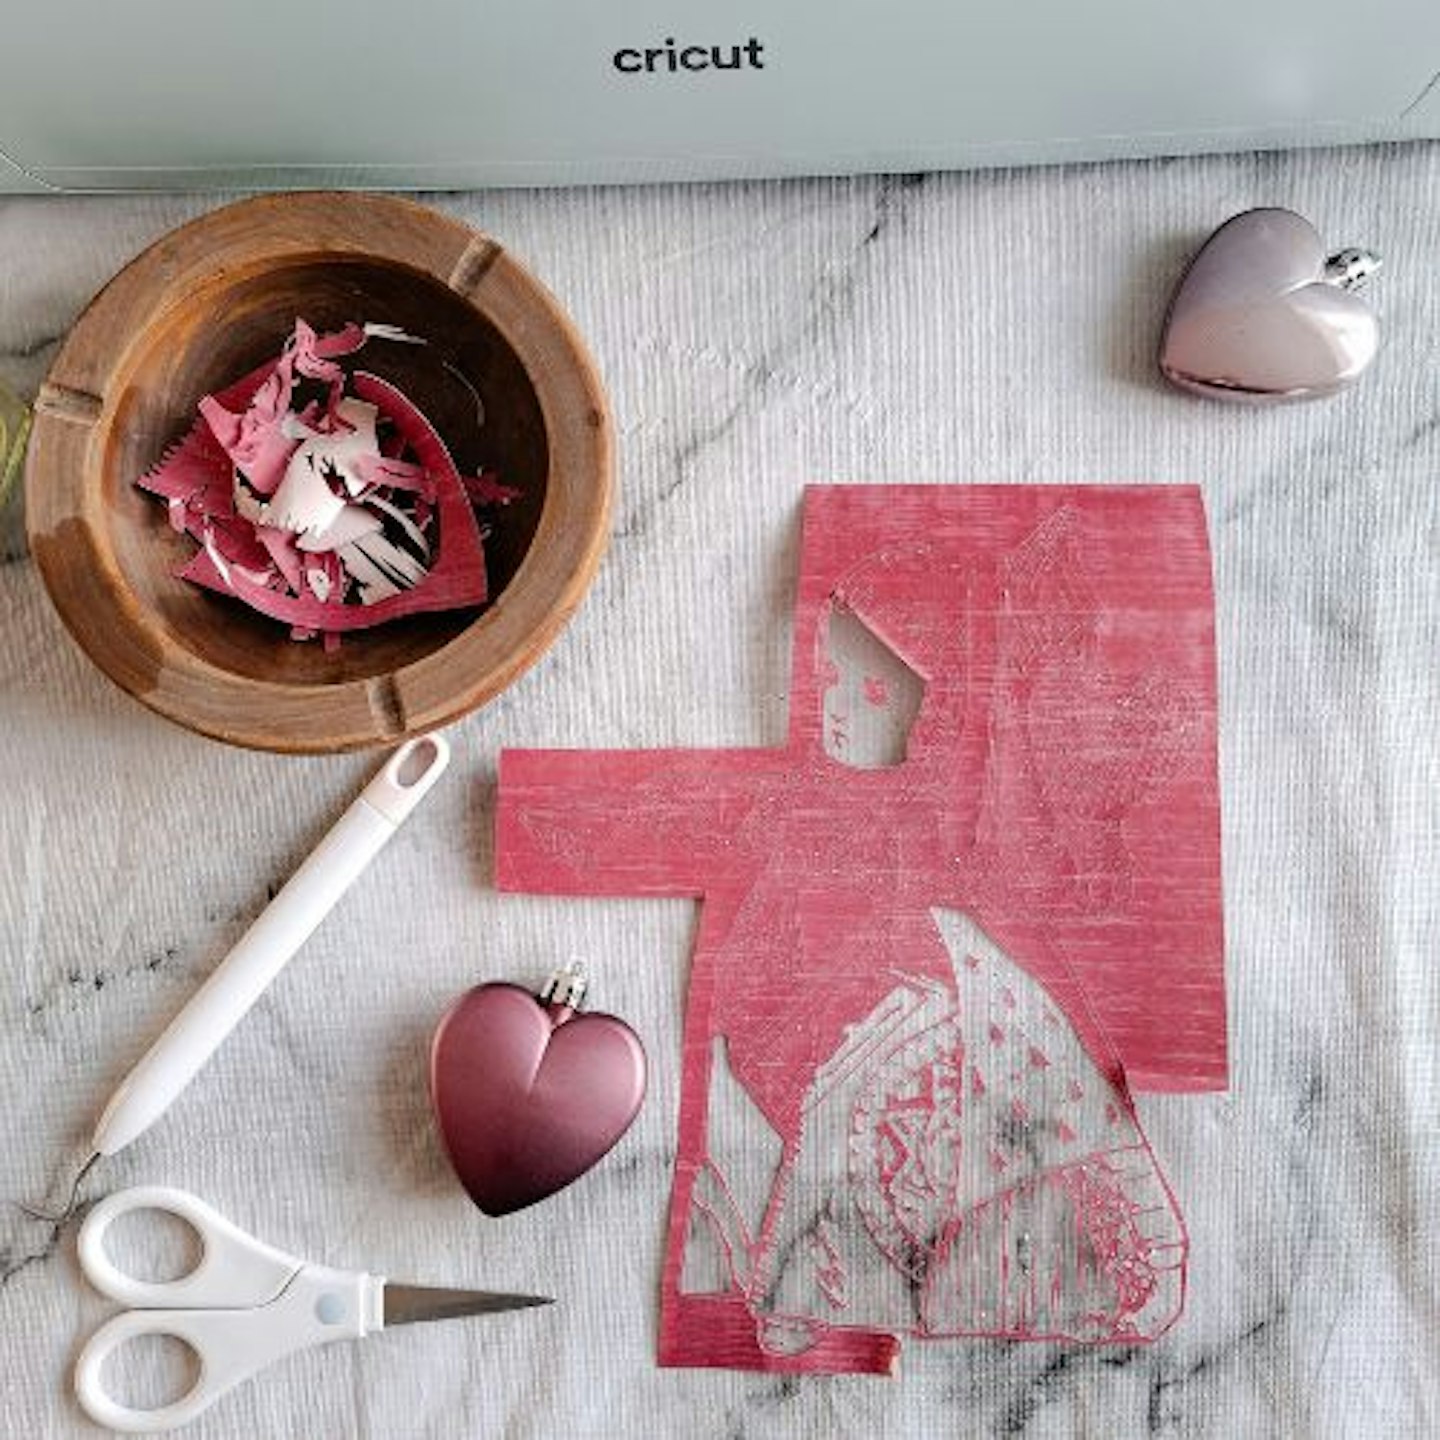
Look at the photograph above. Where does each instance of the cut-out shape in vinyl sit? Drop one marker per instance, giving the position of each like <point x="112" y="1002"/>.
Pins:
<point x="932" y="961"/>
<point x="961" y="1167"/>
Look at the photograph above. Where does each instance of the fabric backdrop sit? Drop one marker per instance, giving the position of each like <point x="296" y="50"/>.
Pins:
<point x="987" y="327"/>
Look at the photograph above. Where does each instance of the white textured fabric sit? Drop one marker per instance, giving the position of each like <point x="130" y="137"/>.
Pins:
<point x="753" y="338"/>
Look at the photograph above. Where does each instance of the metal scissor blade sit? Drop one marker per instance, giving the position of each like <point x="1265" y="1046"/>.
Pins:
<point x="407" y="1304"/>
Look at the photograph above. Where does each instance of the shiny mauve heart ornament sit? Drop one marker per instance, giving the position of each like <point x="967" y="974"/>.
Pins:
<point x="529" y="1094"/>
<point x="1263" y="315"/>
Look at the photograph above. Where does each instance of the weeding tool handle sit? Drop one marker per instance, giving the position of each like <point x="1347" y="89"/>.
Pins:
<point x="194" y="1035"/>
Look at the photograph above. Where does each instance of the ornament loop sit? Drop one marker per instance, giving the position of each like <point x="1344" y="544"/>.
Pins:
<point x="566" y="987"/>
<point x="1351" y="268"/>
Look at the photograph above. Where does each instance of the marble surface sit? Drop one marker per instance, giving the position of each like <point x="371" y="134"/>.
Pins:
<point x="755" y="337"/>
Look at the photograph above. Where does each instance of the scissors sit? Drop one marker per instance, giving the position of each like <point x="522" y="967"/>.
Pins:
<point x="243" y="1306"/>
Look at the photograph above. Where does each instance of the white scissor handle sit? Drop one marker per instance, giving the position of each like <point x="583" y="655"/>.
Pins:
<point x="317" y="1305"/>
<point x="235" y="1272"/>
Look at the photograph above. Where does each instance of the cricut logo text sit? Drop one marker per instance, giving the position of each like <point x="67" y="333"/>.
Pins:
<point x="670" y="59"/>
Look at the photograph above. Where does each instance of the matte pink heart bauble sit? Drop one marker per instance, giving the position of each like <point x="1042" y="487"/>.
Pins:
<point x="528" y="1094"/>
<point x="1262" y="314"/>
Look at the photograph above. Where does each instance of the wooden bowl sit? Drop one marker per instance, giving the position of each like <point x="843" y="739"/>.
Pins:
<point x="208" y="303"/>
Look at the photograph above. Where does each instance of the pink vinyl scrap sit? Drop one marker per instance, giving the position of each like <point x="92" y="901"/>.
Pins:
<point x="321" y="495"/>
<point x="928" y="974"/>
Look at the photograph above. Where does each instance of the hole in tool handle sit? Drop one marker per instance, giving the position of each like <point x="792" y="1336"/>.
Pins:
<point x="407" y="776"/>
<point x="416" y="760"/>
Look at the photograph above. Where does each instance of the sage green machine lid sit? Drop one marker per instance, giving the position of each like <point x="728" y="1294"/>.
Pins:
<point x="435" y="93"/>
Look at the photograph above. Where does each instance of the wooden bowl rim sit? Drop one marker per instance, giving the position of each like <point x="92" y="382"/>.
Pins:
<point x="78" y="402"/>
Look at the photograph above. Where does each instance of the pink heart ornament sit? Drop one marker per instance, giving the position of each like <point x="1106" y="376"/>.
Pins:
<point x="1263" y="315"/>
<point x="528" y="1094"/>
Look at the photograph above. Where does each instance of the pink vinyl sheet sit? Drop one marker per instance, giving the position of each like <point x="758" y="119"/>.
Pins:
<point x="934" y="954"/>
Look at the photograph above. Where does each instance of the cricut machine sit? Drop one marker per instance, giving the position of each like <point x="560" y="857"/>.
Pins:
<point x="450" y="93"/>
